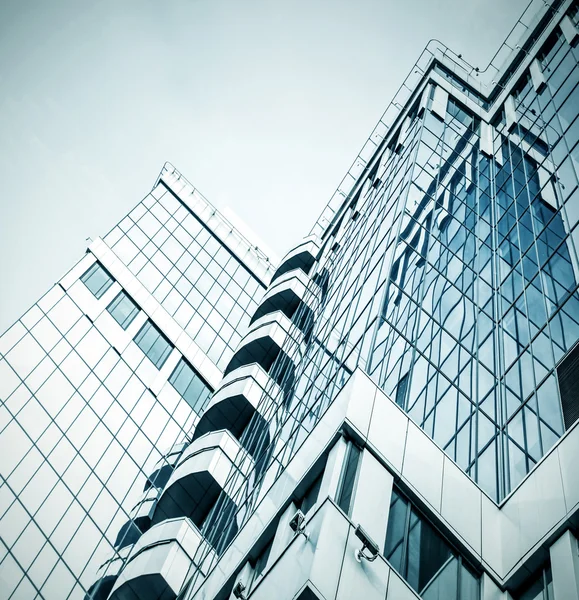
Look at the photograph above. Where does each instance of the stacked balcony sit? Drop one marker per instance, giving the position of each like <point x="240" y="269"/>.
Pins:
<point x="200" y="476"/>
<point x="192" y="488"/>
<point x="160" y="562"/>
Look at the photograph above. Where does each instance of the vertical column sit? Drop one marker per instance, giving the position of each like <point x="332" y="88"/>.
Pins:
<point x="491" y="591"/>
<point x="565" y="567"/>
<point x="372" y="498"/>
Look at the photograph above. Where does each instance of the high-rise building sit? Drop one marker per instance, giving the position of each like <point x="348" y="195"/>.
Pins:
<point x="389" y="413"/>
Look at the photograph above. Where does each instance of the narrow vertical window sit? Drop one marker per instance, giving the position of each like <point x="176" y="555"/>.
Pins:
<point x="346" y="489"/>
<point x="311" y="496"/>
<point x="123" y="310"/>
<point x="401" y="391"/>
<point x="569" y="386"/>
<point x="97" y="280"/>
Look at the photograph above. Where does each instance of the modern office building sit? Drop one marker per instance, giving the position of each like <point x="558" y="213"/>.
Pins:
<point x="388" y="413"/>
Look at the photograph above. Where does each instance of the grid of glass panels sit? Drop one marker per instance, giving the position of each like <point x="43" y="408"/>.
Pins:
<point x="80" y="432"/>
<point x="451" y="276"/>
<point x="196" y="279"/>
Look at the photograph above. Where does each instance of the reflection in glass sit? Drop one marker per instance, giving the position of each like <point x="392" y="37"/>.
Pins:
<point x="123" y="310"/>
<point x="186" y="381"/>
<point x="97" y="280"/>
<point x="423" y="558"/>
<point x="154" y="344"/>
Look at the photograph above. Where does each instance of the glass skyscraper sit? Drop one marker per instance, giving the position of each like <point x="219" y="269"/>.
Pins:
<point x="390" y="412"/>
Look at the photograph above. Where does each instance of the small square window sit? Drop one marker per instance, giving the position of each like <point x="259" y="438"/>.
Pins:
<point x="123" y="310"/>
<point x="154" y="344"/>
<point x="97" y="280"/>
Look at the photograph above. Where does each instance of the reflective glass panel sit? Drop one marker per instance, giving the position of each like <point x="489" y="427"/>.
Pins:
<point x="123" y="310"/>
<point x="154" y="344"/>
<point x="97" y="280"/>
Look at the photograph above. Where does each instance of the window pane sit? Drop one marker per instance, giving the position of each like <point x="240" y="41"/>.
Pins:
<point x="311" y="496"/>
<point x="186" y="381"/>
<point x="123" y="310"/>
<point x="154" y="344"/>
<point x="349" y="478"/>
<point x="97" y="280"/>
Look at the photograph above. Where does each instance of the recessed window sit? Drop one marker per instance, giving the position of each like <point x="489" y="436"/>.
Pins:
<point x="154" y="344"/>
<point x="311" y="496"/>
<point x="186" y="381"/>
<point x="423" y="557"/>
<point x="123" y="310"/>
<point x="97" y="280"/>
<point x="346" y="489"/>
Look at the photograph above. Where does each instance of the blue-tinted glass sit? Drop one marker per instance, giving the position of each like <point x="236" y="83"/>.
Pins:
<point x="97" y="280"/>
<point x="186" y="381"/>
<point x="123" y="310"/>
<point x="154" y="344"/>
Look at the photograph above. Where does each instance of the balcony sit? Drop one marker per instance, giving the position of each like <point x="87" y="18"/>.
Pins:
<point x="160" y="563"/>
<point x="301" y="257"/>
<point x="200" y="476"/>
<point x="268" y="339"/>
<point x="164" y="467"/>
<point x="107" y="575"/>
<point x="290" y="291"/>
<point x="246" y="393"/>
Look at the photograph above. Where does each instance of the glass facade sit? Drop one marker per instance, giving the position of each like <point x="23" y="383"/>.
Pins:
<point x="83" y="435"/>
<point x="200" y="283"/>
<point x="448" y="273"/>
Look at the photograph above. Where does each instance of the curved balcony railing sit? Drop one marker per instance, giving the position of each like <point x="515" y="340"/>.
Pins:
<point x="199" y="477"/>
<point x="107" y="575"/>
<point x="287" y="294"/>
<point x="164" y="467"/>
<point x="264" y="342"/>
<point x="160" y="563"/>
<point x="245" y="394"/>
<point x="301" y="257"/>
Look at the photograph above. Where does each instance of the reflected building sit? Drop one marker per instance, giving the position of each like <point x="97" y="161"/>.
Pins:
<point x="390" y="412"/>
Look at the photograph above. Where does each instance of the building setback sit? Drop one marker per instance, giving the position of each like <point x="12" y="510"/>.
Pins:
<point x="389" y="413"/>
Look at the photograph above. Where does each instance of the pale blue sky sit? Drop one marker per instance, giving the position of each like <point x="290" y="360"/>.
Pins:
<point x="261" y="104"/>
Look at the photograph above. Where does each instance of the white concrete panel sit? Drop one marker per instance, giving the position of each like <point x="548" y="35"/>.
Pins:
<point x="565" y="567"/>
<point x="398" y="589"/>
<point x="461" y="504"/>
<point x="333" y="470"/>
<point x="361" y="391"/>
<point x="422" y="467"/>
<point x="510" y="113"/>
<point x="568" y="452"/>
<point x="329" y="543"/>
<point x="440" y="102"/>
<point x="388" y="431"/>
<point x="367" y="580"/>
<point x="372" y="497"/>
<point x="537" y="76"/>
<point x="486" y="139"/>
<point x="570" y="30"/>
<point x="539" y="502"/>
